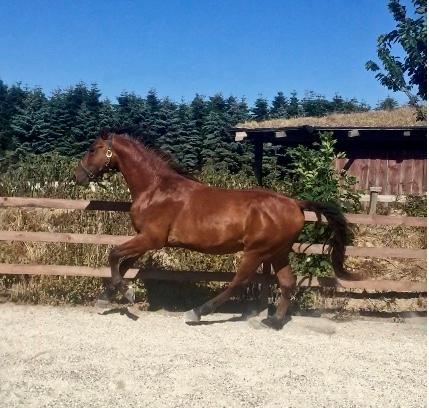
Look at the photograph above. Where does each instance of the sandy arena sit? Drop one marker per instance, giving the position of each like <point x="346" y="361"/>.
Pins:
<point x="73" y="357"/>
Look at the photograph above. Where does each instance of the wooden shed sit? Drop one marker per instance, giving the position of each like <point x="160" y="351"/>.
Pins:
<point x="390" y="157"/>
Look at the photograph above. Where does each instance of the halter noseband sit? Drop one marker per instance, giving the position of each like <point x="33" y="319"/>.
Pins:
<point x="109" y="154"/>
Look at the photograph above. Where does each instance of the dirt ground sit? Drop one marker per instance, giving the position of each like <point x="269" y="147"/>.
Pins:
<point x="74" y="357"/>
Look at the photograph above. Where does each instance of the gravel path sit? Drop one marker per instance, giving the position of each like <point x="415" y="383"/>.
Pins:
<point x="73" y="357"/>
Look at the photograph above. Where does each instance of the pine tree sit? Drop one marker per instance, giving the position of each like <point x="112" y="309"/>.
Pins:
<point x="131" y="110"/>
<point x="217" y="104"/>
<point x="189" y="139"/>
<point x="219" y="147"/>
<point x="85" y="129"/>
<point x="132" y="113"/>
<point x="279" y="106"/>
<point x="294" y="108"/>
<point x="11" y="99"/>
<point x="152" y="101"/>
<point x="388" y="103"/>
<point x="353" y="105"/>
<point x="59" y="126"/>
<point x="315" y="105"/>
<point x="199" y="110"/>
<point x="92" y="99"/>
<point x="237" y="111"/>
<point x="46" y="138"/>
<point x="4" y="120"/>
<point x="166" y="128"/>
<point x="213" y="144"/>
<point x="153" y="105"/>
<point x="337" y="104"/>
<point x="74" y="98"/>
<point x="260" y="111"/>
<point x="29" y="123"/>
<point x="108" y="115"/>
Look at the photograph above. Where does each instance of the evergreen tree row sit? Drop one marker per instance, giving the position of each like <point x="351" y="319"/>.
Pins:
<point x="193" y="133"/>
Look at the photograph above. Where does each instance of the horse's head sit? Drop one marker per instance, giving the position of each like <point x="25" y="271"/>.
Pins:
<point x="97" y="160"/>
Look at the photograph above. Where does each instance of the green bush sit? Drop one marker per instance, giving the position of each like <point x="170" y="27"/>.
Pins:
<point x="415" y="206"/>
<point x="312" y="176"/>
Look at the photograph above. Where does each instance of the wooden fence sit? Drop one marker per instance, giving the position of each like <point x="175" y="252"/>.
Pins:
<point x="266" y="278"/>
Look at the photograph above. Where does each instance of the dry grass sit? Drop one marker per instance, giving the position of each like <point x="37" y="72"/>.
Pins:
<point x="404" y="116"/>
<point x="348" y="307"/>
<point x="370" y="236"/>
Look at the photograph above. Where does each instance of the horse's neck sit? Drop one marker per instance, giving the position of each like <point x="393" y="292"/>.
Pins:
<point x="141" y="169"/>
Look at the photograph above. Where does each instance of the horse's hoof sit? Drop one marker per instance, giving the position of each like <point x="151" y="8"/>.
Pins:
<point x="273" y="323"/>
<point x="130" y="295"/>
<point x="191" y="316"/>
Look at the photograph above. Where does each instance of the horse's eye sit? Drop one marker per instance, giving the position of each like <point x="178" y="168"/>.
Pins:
<point x="91" y="150"/>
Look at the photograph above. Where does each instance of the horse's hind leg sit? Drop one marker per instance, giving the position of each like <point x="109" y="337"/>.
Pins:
<point x="287" y="283"/>
<point x="248" y="265"/>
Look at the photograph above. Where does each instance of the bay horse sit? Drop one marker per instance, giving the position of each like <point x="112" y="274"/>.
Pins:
<point x="170" y="209"/>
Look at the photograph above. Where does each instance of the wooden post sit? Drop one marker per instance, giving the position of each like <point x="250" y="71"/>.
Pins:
<point x="373" y="197"/>
<point x="257" y="167"/>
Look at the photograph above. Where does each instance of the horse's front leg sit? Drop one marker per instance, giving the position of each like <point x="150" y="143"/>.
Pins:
<point x="121" y="258"/>
<point x="103" y="300"/>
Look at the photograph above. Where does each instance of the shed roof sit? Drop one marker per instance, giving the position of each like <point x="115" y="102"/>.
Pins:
<point x="401" y="117"/>
<point x="372" y="127"/>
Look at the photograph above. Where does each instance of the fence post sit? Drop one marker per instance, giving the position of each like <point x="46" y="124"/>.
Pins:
<point x="373" y="198"/>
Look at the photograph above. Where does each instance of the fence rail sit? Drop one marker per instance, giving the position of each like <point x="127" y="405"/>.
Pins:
<point x="366" y="285"/>
<point x="122" y="206"/>
<point x="74" y="238"/>
<point x="200" y="276"/>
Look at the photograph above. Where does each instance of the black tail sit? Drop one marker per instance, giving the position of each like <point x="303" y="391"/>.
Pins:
<point x="338" y="223"/>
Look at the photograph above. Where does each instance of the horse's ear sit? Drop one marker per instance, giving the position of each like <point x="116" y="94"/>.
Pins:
<point x="104" y="133"/>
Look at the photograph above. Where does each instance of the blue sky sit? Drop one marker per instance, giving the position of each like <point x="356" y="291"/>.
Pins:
<point x="183" y="47"/>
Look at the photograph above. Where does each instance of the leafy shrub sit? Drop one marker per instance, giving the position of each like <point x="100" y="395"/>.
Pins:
<point x="415" y="206"/>
<point x="312" y="176"/>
